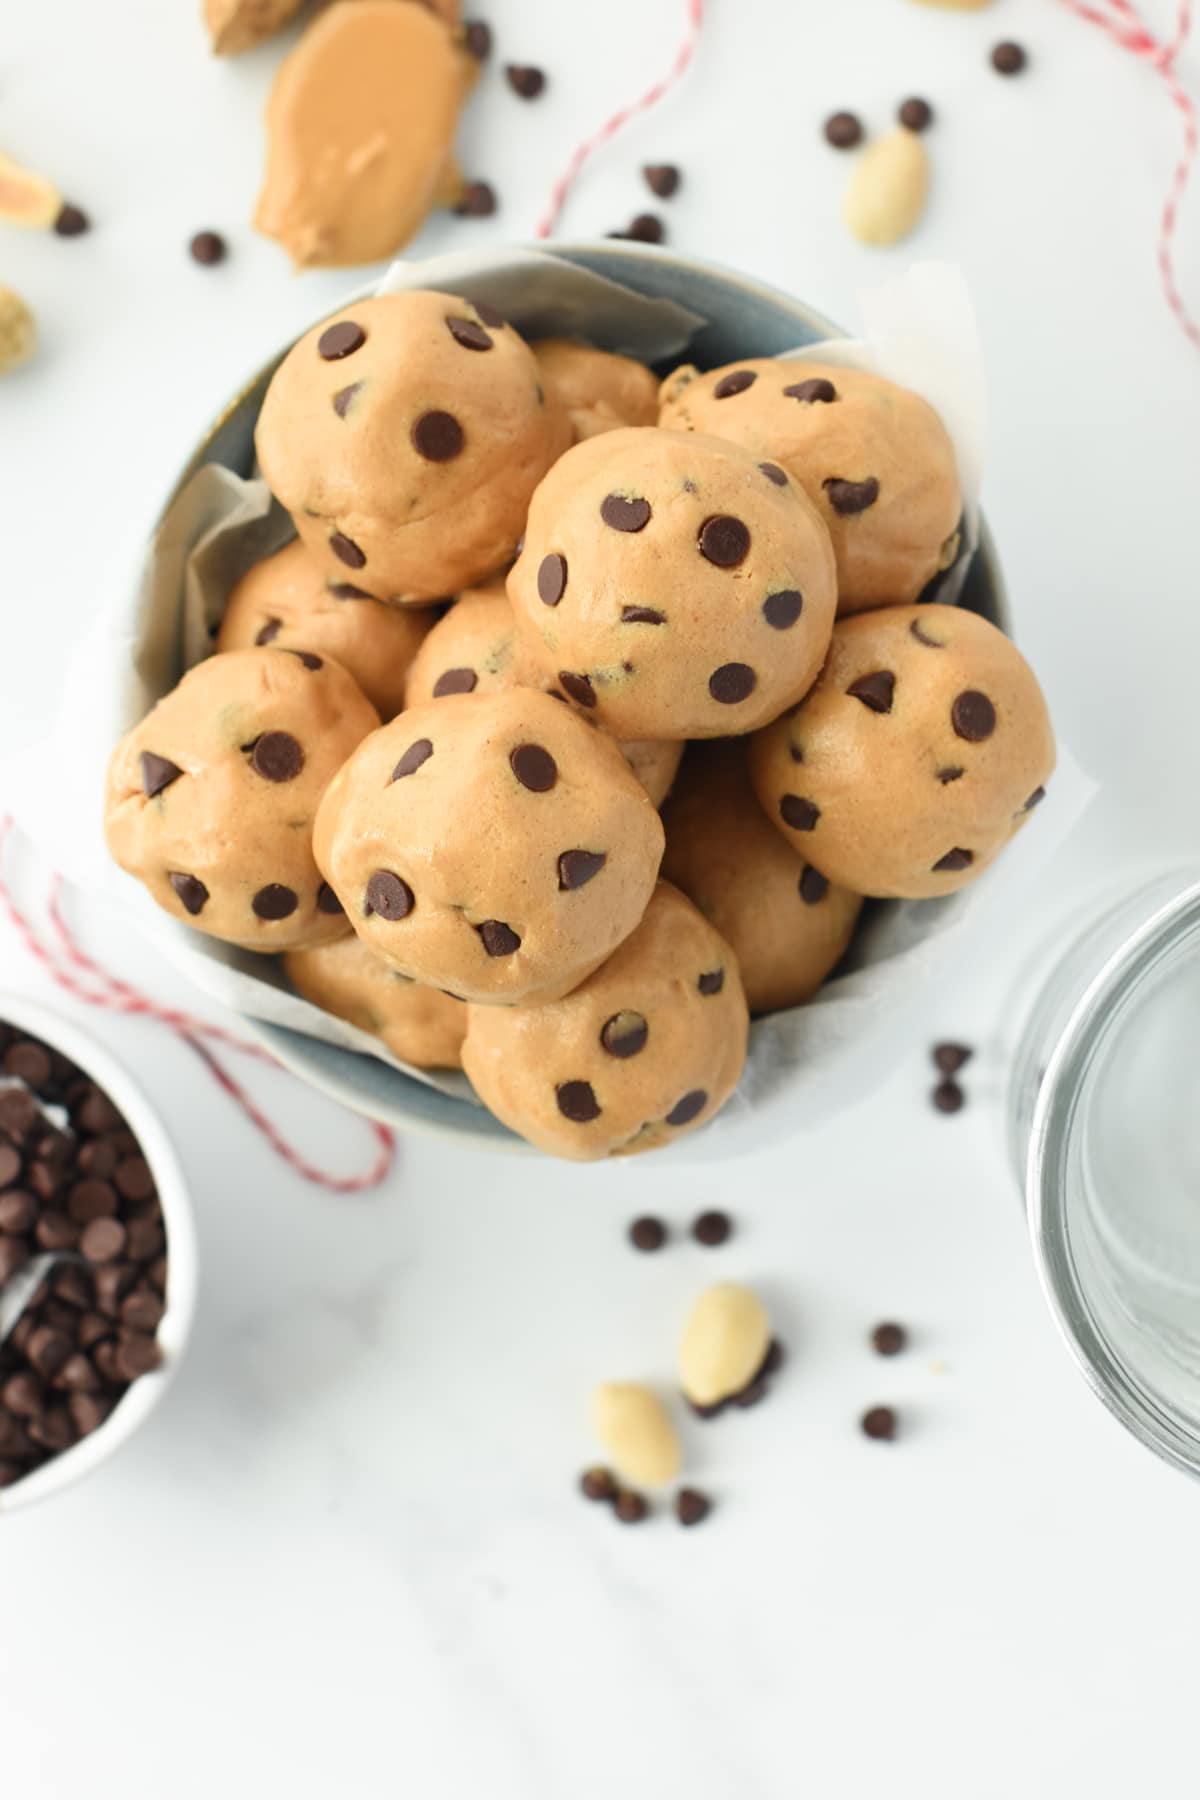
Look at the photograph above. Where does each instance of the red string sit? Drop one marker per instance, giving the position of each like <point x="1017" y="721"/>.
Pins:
<point x="117" y="995"/>
<point x="1124" y="25"/>
<point x="611" y="126"/>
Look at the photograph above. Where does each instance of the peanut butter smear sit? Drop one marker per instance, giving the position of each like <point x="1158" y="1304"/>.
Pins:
<point x="360" y="129"/>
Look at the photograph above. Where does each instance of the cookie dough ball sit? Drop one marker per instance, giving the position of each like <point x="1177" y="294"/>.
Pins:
<point x="788" y="926"/>
<point x="920" y="752"/>
<point x="491" y="845"/>
<point x="649" y="1047"/>
<point x="676" y="586"/>
<point x="405" y="436"/>
<point x="418" y="1024"/>
<point x="598" y="390"/>
<point x="476" y="649"/>
<point x="874" y="458"/>
<point x="285" y="601"/>
<point x="211" y="799"/>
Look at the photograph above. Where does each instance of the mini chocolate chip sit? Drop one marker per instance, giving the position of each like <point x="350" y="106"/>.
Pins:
<point x="916" y="114"/>
<point x="630" y="1508"/>
<point x="724" y="541"/>
<point x="438" y="437"/>
<point x="275" y="901"/>
<point x="1009" y="59"/>
<point x="498" y="938"/>
<point x="691" y="1506"/>
<point x="712" y="1228"/>
<point x="190" y="892"/>
<point x="1035" y="799"/>
<point x="642" y="615"/>
<point x="387" y="896"/>
<point x="772" y="1362"/>
<point x="774" y="473"/>
<point x="269" y="632"/>
<point x="662" y="179"/>
<point x="525" y="80"/>
<point x="973" y="716"/>
<point x="327" y="900"/>
<point x="346" y="550"/>
<point x="343" y="398"/>
<point x="949" y="774"/>
<point x="843" y="130"/>
<point x="800" y="814"/>
<point x="454" y="681"/>
<point x="346" y="590"/>
<point x="208" y="248"/>
<point x="922" y="636"/>
<point x="309" y="660"/>
<point x="879" y="1422"/>
<point x="849" y="497"/>
<point x="813" y="886"/>
<point x="731" y="683"/>
<point x="712" y="982"/>
<point x="625" y="515"/>
<point x="477" y="35"/>
<point x="889" y="1339"/>
<point x="339" y="340"/>
<point x="647" y="1233"/>
<point x="954" y="860"/>
<point x="577" y="1102"/>
<point x="158" y="772"/>
<point x="948" y="1097"/>
<point x="467" y="333"/>
<point x="579" y="687"/>
<point x="418" y="752"/>
<point x="277" y="756"/>
<point x="552" y="579"/>
<point x="624" y="1034"/>
<point x="477" y="201"/>
<point x="597" y="1484"/>
<point x="577" y="867"/>
<point x="72" y="221"/>
<point x="534" y="768"/>
<point x="783" y="609"/>
<point x="647" y="229"/>
<point x="735" y="383"/>
<point x="685" y="1110"/>
<point x="816" y="390"/>
<point x="875" y="690"/>
<point x="950" y="1058"/>
<point x="103" y="1240"/>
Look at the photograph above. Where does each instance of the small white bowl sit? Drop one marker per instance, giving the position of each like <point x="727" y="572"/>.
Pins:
<point x="143" y="1396"/>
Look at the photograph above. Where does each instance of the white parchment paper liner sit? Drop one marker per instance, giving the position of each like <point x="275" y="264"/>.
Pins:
<point x="919" y="330"/>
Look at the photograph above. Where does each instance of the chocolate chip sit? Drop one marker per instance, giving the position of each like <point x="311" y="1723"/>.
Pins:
<point x="10" y="1164"/>
<point x="800" y="814"/>
<point x="843" y="130"/>
<point x="208" y="248"/>
<point x="781" y="610"/>
<point x="813" y="886"/>
<point x="772" y="1361"/>
<point x="951" y="773"/>
<point x="916" y="114"/>
<point x="751" y="1395"/>
<point x="145" y="1238"/>
<point x="438" y="437"/>
<point x="418" y="752"/>
<point x="307" y="658"/>
<point x="889" y="1339"/>
<point x="14" y="1254"/>
<point x="346" y="550"/>
<point x="102" y="1241"/>
<point x="388" y="896"/>
<point x="579" y="687"/>
<point x="158" y="772"/>
<point x="72" y="221"/>
<point x="630" y="1508"/>
<point x="954" y="860"/>
<point x="948" y="1097"/>
<point x="534" y="768"/>
<point x="478" y="38"/>
<point x="577" y="1102"/>
<point x="269" y="632"/>
<point x="1009" y="59"/>
<point x="577" y="867"/>
<point x="647" y="1233"/>
<point x="950" y="1058"/>
<point x="525" y="80"/>
<point x="624" y="1034"/>
<point x="642" y="615"/>
<point x="275" y="901"/>
<point x="735" y="383"/>
<point x="343" y="398"/>
<point x="92" y="1199"/>
<point x="875" y="690"/>
<point x="276" y="756"/>
<point x="346" y="590"/>
<point x="478" y="200"/>
<point x="137" y="1354"/>
<point x="625" y="515"/>
<point x="724" y="541"/>
<point x="1035" y="799"/>
<point x="18" y="1210"/>
<point x="816" y="390"/>
<point x="552" y="579"/>
<point x="774" y="473"/>
<point x="685" y="1110"/>
<point x="849" y="497"/>
<point x="498" y="938"/>
<point x="691" y="1506"/>
<point x="328" y="902"/>
<point x="467" y="333"/>
<point x="879" y="1422"/>
<point x="190" y="892"/>
<point x="712" y="1228"/>
<point x="973" y="716"/>
<point x="922" y="636"/>
<point x="731" y="683"/>
<point x="454" y="681"/>
<point x="133" y="1179"/>
<point x="597" y="1484"/>
<point x="712" y="982"/>
<point x="339" y="340"/>
<point x="142" y="1310"/>
<point x="662" y="179"/>
<point x="647" y="229"/>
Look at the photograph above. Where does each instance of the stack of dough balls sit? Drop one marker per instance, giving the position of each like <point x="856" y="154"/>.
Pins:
<point x="581" y="715"/>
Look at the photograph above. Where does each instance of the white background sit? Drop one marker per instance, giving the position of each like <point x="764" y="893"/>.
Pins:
<point x="346" y="1557"/>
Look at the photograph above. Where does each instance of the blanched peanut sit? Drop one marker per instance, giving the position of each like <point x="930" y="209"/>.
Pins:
<point x="633" y="1426"/>
<point x="888" y="188"/>
<point x="724" y="1345"/>
<point x="18" y="334"/>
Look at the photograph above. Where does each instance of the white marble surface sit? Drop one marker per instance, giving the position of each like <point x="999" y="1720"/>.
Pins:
<point x="346" y="1557"/>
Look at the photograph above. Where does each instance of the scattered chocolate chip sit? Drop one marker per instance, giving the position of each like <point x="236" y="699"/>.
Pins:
<point x="712" y="1228"/>
<point x="438" y="437"/>
<point x="915" y="114"/>
<point x="712" y="982"/>
<point x="630" y="1508"/>
<point x="685" y="1110"/>
<point x="418" y="752"/>
<point x="208" y="248"/>
<point x="327" y="901"/>
<point x="772" y="1361"/>
<point x="339" y="340"/>
<point x="875" y="690"/>
<point x="735" y="383"/>
<point x="625" y="1034"/>
<point x="498" y="938"/>
<point x="478" y="200"/>
<point x="275" y="901"/>
<point x="954" y="861"/>
<point x="724" y="541"/>
<point x="158" y="772"/>
<point x="800" y="814"/>
<point x="816" y="390"/>
<point x="850" y="497"/>
<point x="276" y="756"/>
<point x="388" y="896"/>
<point x="950" y="1058"/>
<point x="889" y="1339"/>
<point x="343" y="398"/>
<point x="973" y="716"/>
<point x="642" y="615"/>
<point x="454" y="681"/>
<point x="691" y="1506"/>
<point x="1009" y="59"/>
<point x="190" y="892"/>
<point x="647" y="1233"/>
<point x="477" y="35"/>
<point x="269" y="632"/>
<point x="879" y="1422"/>
<point x="843" y="130"/>
<point x="751" y="1395"/>
<point x="552" y="579"/>
<point x="647" y="228"/>
<point x="953" y="772"/>
<point x="579" y="687"/>
<point x="346" y="550"/>
<point x="577" y="867"/>
<point x="598" y="1484"/>
<point x="662" y="179"/>
<point x="922" y="636"/>
<point x="813" y="885"/>
<point x="731" y="683"/>
<point x="525" y="80"/>
<point x="625" y="515"/>
<point x="467" y="333"/>
<point x="72" y="221"/>
<point x="577" y="1102"/>
<point x="948" y="1097"/>
<point x="534" y="768"/>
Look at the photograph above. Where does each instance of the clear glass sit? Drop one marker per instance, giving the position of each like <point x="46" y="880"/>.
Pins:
<point x="1104" y="1125"/>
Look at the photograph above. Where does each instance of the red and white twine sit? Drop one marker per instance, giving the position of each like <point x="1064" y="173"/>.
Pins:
<point x="78" y="974"/>
<point x="1125" y="26"/>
